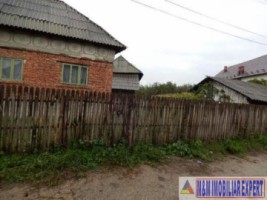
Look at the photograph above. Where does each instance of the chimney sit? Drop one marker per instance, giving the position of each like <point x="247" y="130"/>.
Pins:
<point x="241" y="70"/>
<point x="225" y="68"/>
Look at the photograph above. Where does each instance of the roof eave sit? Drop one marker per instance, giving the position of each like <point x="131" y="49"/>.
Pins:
<point x="117" y="48"/>
<point x="140" y="75"/>
<point x="120" y="49"/>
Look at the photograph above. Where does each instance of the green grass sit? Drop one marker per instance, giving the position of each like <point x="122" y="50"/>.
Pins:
<point x="59" y="163"/>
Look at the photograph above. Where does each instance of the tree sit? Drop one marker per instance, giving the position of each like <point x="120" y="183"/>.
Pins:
<point x="207" y="91"/>
<point x="259" y="81"/>
<point x="163" y="88"/>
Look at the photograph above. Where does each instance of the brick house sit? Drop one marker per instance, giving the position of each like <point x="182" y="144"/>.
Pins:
<point x="47" y="43"/>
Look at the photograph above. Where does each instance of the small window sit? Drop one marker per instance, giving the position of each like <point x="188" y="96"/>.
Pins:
<point x="74" y="74"/>
<point x="10" y="69"/>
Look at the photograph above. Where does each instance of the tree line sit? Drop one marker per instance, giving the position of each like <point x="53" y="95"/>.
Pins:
<point x="163" y="88"/>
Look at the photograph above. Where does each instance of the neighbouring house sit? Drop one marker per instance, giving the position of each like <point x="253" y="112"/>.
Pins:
<point x="235" y="91"/>
<point x="47" y="43"/>
<point x="126" y="77"/>
<point x="252" y="69"/>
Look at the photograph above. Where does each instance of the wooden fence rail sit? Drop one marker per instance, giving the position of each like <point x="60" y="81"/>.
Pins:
<point x="38" y="118"/>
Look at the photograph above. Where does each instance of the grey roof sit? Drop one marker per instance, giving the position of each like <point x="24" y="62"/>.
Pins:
<point x="252" y="91"/>
<point x="54" y="17"/>
<point x="252" y="67"/>
<point x="122" y="66"/>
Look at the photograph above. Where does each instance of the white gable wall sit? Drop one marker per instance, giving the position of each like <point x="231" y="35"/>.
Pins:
<point x="235" y="97"/>
<point x="260" y="76"/>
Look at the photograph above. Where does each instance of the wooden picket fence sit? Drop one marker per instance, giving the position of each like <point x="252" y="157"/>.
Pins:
<point x="38" y="118"/>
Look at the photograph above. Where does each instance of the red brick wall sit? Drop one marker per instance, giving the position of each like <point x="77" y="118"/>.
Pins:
<point x="44" y="70"/>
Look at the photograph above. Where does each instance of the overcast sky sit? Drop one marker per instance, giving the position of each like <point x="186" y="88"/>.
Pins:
<point x="165" y="48"/>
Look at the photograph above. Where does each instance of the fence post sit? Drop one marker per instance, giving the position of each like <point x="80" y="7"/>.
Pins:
<point x="129" y="119"/>
<point x="111" y="111"/>
<point x="1" y="116"/>
<point x="63" y="124"/>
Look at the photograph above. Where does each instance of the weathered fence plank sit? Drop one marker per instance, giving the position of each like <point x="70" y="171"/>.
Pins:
<point x="1" y="116"/>
<point x="41" y="118"/>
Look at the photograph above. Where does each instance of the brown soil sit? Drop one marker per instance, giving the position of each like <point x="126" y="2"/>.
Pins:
<point x="142" y="183"/>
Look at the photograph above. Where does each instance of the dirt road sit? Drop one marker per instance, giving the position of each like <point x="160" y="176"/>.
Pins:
<point x="142" y="183"/>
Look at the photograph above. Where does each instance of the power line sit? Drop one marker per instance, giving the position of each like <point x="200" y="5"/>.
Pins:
<point x="262" y="1"/>
<point x="198" y="24"/>
<point x="214" y="19"/>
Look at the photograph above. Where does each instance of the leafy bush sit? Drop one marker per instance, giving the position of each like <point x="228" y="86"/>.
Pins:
<point x="259" y="81"/>
<point x="184" y="95"/>
<point x="180" y="148"/>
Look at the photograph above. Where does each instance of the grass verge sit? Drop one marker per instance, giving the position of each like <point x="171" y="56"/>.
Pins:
<point x="55" y="165"/>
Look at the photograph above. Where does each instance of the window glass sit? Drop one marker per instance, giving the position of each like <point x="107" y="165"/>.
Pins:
<point x="83" y="75"/>
<point x="6" y="68"/>
<point x="66" y="73"/>
<point x="74" y="76"/>
<point x="17" y="70"/>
